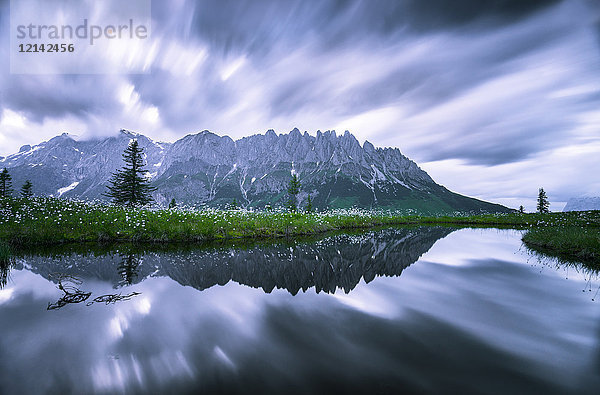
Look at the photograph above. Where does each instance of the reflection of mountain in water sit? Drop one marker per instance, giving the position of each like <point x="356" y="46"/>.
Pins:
<point x="334" y="262"/>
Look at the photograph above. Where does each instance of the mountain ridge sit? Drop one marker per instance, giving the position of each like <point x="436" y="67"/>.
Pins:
<point x="583" y="203"/>
<point x="207" y="169"/>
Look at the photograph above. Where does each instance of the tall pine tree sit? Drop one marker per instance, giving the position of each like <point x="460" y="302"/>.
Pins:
<point x="130" y="186"/>
<point x="309" y="206"/>
<point x="293" y="190"/>
<point x="26" y="190"/>
<point x="5" y="183"/>
<point x="542" y="203"/>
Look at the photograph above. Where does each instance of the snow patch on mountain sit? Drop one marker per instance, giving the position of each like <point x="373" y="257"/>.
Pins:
<point x="62" y="191"/>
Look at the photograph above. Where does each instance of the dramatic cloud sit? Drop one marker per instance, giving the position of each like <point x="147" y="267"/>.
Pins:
<point x="502" y="93"/>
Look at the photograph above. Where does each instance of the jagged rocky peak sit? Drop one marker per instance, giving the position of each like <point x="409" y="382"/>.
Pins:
<point x="368" y="147"/>
<point x="128" y="133"/>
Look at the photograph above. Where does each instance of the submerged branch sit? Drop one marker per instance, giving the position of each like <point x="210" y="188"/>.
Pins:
<point x="72" y="294"/>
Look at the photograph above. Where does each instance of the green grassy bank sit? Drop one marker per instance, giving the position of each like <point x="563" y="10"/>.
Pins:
<point x="47" y="221"/>
<point x="569" y="243"/>
<point x="53" y="221"/>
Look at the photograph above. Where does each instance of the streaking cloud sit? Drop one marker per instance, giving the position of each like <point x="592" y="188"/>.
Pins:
<point x="493" y="92"/>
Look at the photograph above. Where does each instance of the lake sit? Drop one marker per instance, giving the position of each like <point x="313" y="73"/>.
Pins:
<point x="416" y="309"/>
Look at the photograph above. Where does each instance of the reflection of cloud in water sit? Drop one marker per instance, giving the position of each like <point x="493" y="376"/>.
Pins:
<point x="369" y="302"/>
<point x="120" y="322"/>
<point x="119" y="373"/>
<point x="358" y="353"/>
<point x="5" y="295"/>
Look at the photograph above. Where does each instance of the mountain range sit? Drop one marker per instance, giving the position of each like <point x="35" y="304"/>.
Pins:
<point x="208" y="169"/>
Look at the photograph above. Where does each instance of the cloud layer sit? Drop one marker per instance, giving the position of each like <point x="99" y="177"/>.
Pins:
<point x="502" y="93"/>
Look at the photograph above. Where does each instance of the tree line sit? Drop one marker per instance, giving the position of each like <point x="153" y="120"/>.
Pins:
<point x="6" y="189"/>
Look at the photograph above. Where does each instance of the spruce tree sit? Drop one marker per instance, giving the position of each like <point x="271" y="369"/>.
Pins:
<point x="173" y="203"/>
<point x="5" y="184"/>
<point x="309" y="206"/>
<point x="542" y="202"/>
<point x="26" y="190"/>
<point x="521" y="209"/>
<point x="129" y="186"/>
<point x="293" y="190"/>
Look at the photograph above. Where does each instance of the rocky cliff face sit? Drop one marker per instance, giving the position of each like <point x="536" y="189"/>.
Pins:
<point x="65" y="167"/>
<point x="207" y="169"/>
<point x="583" y="204"/>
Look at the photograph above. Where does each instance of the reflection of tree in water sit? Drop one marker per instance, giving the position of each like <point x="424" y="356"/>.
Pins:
<point x="112" y="298"/>
<point x="5" y="265"/>
<point x="128" y="268"/>
<point x="72" y="294"/>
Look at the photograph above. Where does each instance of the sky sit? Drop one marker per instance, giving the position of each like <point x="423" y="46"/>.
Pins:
<point x="493" y="98"/>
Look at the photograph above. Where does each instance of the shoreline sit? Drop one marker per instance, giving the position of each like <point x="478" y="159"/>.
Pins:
<point x="567" y="244"/>
<point x="53" y="221"/>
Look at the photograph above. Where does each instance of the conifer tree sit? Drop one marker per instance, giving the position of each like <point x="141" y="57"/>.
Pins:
<point x="542" y="202"/>
<point x="26" y="190"/>
<point x="521" y="209"/>
<point x="5" y="184"/>
<point x="173" y="203"/>
<point x="129" y="186"/>
<point x="293" y="190"/>
<point x="309" y="206"/>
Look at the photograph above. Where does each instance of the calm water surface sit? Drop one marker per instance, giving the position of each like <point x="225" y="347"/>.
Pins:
<point x="426" y="310"/>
